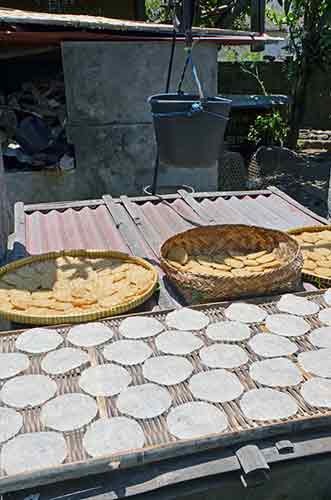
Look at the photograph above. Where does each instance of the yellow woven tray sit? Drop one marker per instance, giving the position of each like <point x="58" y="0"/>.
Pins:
<point x="20" y="317"/>
<point x="318" y="280"/>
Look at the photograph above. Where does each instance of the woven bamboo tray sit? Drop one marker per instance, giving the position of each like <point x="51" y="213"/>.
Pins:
<point x="317" y="279"/>
<point x="201" y="288"/>
<point x="86" y="316"/>
<point x="160" y="444"/>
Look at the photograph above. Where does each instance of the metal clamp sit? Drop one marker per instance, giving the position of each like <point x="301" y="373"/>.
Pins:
<point x="253" y="465"/>
<point x="284" y="447"/>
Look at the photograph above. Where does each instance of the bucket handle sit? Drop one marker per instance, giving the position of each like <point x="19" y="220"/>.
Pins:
<point x="189" y="60"/>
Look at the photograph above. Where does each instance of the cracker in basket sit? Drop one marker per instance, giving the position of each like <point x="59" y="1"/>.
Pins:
<point x="309" y="265"/>
<point x="271" y="265"/>
<point x="240" y="272"/>
<point x="323" y="251"/>
<point x="233" y="263"/>
<point x="20" y="304"/>
<point x="220" y="267"/>
<point x="309" y="237"/>
<point x="178" y="254"/>
<point x="323" y="271"/>
<point x="269" y="257"/>
<point x="257" y="255"/>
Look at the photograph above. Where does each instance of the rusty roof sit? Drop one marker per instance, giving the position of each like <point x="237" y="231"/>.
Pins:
<point x="140" y="225"/>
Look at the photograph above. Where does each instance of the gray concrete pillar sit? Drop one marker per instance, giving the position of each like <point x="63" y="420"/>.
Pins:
<point x="109" y="119"/>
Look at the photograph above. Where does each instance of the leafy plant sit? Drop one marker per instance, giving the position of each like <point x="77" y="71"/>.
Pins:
<point x="308" y="23"/>
<point x="270" y="129"/>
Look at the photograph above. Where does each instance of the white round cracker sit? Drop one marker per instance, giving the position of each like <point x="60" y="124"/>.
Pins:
<point x="269" y="345"/>
<point x="127" y="352"/>
<point x="63" y="360"/>
<point x="327" y="297"/>
<point x="216" y="386"/>
<point x="37" y="450"/>
<point x="113" y="435"/>
<point x="223" y="356"/>
<point x="267" y="404"/>
<point x="193" y="420"/>
<point x="12" y="363"/>
<point x="140" y="327"/>
<point x="178" y="342"/>
<point x="277" y="372"/>
<point x="90" y="334"/>
<point x="321" y="337"/>
<point x="28" y="390"/>
<point x="11" y="423"/>
<point x="68" y="412"/>
<point x="38" y="340"/>
<point x="287" y="325"/>
<point x="105" y="380"/>
<point x="144" y="401"/>
<point x="300" y="306"/>
<point x="317" y="392"/>
<point x="167" y="370"/>
<point x="187" y="319"/>
<point x="233" y="331"/>
<point x="325" y="316"/>
<point x="245" y="313"/>
<point x="316" y="362"/>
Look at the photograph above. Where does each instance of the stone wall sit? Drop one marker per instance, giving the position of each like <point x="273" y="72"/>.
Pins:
<point x="109" y="118"/>
<point x="232" y="80"/>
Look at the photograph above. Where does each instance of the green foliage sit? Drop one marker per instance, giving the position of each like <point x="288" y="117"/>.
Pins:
<point x="270" y="129"/>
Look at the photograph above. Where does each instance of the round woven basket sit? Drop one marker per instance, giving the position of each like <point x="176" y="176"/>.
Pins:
<point x="20" y="317"/>
<point x="317" y="279"/>
<point x="200" y="288"/>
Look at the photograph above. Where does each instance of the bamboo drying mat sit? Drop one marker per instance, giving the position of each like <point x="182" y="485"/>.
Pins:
<point x="159" y="443"/>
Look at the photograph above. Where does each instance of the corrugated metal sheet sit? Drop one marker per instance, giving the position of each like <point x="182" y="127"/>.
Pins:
<point x="71" y="21"/>
<point x="140" y="225"/>
<point x="149" y="223"/>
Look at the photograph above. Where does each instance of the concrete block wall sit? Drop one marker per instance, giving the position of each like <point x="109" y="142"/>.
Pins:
<point x="109" y="119"/>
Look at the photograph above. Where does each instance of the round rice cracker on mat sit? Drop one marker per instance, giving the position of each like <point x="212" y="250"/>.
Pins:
<point x="104" y="380"/>
<point x="167" y="370"/>
<point x="37" y="450"/>
<point x="187" y="319"/>
<point x="127" y="352"/>
<point x="223" y="356"/>
<point x="245" y="313"/>
<point x="216" y="386"/>
<point x="11" y="423"/>
<point x="178" y="342"/>
<point x="28" y="390"/>
<point x="63" y="360"/>
<point x="144" y="401"/>
<point x="232" y="331"/>
<point x="317" y="392"/>
<point x="316" y="362"/>
<point x="197" y="419"/>
<point x="113" y="435"/>
<point x="300" y="306"/>
<point x="38" y="340"/>
<point x="268" y="345"/>
<point x="140" y="327"/>
<point x="327" y="297"/>
<point x="90" y="334"/>
<point x="12" y="363"/>
<point x="267" y="404"/>
<point x="277" y="372"/>
<point x="287" y="325"/>
<point x="325" y="316"/>
<point x="321" y="337"/>
<point x="68" y="412"/>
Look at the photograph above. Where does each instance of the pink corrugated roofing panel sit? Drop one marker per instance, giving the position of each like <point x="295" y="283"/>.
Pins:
<point x="72" y="229"/>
